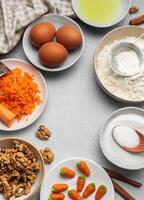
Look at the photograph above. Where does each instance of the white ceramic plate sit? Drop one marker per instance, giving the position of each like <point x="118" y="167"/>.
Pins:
<point x="13" y="63"/>
<point x="6" y="143"/>
<point x="131" y="117"/>
<point x="125" y="5"/>
<point x="32" y="52"/>
<point x="116" y="34"/>
<point x="98" y="176"/>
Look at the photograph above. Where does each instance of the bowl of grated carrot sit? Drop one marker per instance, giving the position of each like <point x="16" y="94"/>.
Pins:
<point x="23" y="95"/>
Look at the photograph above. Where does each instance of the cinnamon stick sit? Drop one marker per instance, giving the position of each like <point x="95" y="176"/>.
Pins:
<point x="122" y="192"/>
<point x="137" y="21"/>
<point x="120" y="177"/>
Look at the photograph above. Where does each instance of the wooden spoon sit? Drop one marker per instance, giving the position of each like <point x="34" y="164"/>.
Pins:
<point x="136" y="149"/>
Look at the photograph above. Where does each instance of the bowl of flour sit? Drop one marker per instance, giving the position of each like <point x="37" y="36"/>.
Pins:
<point x="128" y="89"/>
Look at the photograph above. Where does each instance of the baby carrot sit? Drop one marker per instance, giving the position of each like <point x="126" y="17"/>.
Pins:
<point x="83" y="167"/>
<point x="81" y="183"/>
<point x="89" y="190"/>
<point x="102" y="190"/>
<point x="56" y="196"/>
<point x="59" y="187"/>
<point x="73" y="194"/>
<point x="66" y="172"/>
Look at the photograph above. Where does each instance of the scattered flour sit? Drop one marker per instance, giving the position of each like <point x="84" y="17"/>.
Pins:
<point x="127" y="88"/>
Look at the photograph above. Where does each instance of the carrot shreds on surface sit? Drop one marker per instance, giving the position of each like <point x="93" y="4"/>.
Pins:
<point x="19" y="93"/>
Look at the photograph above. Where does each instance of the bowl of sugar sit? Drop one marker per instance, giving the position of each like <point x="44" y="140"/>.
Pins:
<point x="133" y="118"/>
<point x="101" y="13"/>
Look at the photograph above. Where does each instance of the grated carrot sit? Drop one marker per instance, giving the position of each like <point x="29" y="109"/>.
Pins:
<point x="19" y="93"/>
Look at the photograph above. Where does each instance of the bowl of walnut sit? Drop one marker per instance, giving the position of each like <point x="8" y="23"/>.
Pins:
<point x="21" y="169"/>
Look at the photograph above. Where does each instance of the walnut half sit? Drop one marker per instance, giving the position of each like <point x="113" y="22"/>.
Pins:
<point x="43" y="133"/>
<point x="133" y="10"/>
<point x="48" y="155"/>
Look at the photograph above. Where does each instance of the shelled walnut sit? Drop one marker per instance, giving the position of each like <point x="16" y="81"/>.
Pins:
<point x="133" y="10"/>
<point x="43" y="133"/>
<point x="47" y="155"/>
<point x="18" y="170"/>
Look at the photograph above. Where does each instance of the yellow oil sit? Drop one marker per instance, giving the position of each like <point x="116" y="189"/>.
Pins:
<point x="100" y="11"/>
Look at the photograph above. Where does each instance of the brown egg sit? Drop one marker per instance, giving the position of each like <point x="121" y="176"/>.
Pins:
<point x="52" y="54"/>
<point x="69" y="36"/>
<point x="42" y="33"/>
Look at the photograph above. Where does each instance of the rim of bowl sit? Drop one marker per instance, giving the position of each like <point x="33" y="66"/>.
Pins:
<point x="60" y="68"/>
<point x="96" y="75"/>
<point x="46" y="98"/>
<point x="41" y="159"/>
<point x="97" y="25"/>
<point x="77" y="158"/>
<point x="101" y="132"/>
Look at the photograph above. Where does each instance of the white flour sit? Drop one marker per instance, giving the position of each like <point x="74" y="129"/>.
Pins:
<point x="128" y="88"/>
<point x="127" y="62"/>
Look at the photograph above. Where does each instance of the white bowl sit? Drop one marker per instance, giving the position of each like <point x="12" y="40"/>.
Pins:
<point x="116" y="34"/>
<point x="131" y="117"/>
<point x="98" y="176"/>
<point x="7" y="142"/>
<point x="32" y="52"/>
<point x="123" y="12"/>
<point x="39" y="79"/>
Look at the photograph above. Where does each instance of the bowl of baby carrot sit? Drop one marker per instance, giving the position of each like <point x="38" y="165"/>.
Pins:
<point x="77" y="179"/>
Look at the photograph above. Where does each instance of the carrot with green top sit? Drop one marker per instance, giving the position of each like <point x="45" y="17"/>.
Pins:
<point x="83" y="168"/>
<point x="66" y="172"/>
<point x="102" y="190"/>
<point x="73" y="194"/>
<point x="89" y="190"/>
<point x="56" y="196"/>
<point x="59" y="187"/>
<point x="81" y="183"/>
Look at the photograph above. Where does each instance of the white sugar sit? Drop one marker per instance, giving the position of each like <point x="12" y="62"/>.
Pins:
<point x="126" y="136"/>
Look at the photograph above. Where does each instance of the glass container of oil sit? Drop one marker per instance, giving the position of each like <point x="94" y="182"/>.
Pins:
<point x="101" y="13"/>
